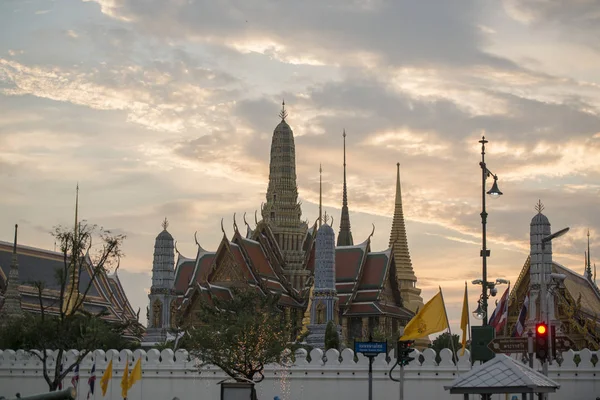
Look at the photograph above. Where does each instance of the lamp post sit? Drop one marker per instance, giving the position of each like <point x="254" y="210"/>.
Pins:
<point x="494" y="192"/>
<point x="544" y="314"/>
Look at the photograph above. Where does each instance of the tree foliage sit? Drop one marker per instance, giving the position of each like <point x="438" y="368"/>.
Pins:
<point x="443" y="341"/>
<point x="61" y="322"/>
<point x="332" y="338"/>
<point x="240" y="335"/>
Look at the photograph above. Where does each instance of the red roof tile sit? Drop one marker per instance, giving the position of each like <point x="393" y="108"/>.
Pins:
<point x="203" y="267"/>
<point x="258" y="257"/>
<point x="183" y="275"/>
<point x="375" y="271"/>
<point x="347" y="263"/>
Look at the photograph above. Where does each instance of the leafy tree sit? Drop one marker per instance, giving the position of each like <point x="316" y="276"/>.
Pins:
<point x="64" y="323"/>
<point x="332" y="338"/>
<point x="240" y="335"/>
<point x="443" y="342"/>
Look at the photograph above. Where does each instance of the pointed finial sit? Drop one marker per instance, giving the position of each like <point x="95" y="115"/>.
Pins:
<point x="76" y="208"/>
<point x="325" y="217"/>
<point x="539" y="207"/>
<point x="320" y="194"/>
<point x="283" y="114"/>
<point x="15" y="243"/>
<point x="165" y="224"/>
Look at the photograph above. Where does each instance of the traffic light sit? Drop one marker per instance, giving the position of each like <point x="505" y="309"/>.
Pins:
<point x="541" y="341"/>
<point x="404" y="350"/>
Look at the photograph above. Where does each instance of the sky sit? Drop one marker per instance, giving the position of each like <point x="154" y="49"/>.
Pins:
<point x="166" y="109"/>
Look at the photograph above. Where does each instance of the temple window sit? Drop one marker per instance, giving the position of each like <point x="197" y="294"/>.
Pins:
<point x="274" y="196"/>
<point x="272" y="214"/>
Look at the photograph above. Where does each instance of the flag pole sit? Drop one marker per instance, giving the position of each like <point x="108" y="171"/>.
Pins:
<point x="454" y="353"/>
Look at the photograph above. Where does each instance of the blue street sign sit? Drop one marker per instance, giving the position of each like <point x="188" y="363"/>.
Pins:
<point x="370" y="349"/>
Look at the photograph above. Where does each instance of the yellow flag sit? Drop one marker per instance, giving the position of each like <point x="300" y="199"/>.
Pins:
<point x="125" y="380"/>
<point x="464" y="321"/>
<point x="136" y="373"/>
<point x="430" y="319"/>
<point x="106" y="377"/>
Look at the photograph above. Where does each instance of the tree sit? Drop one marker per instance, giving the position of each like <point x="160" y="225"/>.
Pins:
<point x="63" y="323"/>
<point x="443" y="342"/>
<point x="332" y="338"/>
<point x="240" y="335"/>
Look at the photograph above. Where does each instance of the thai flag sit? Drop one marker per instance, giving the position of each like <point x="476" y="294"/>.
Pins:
<point x="92" y="381"/>
<point x="75" y="378"/>
<point x="520" y="325"/>
<point x="500" y="315"/>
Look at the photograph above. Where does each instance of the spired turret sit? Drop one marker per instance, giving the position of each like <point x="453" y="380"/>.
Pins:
<point x="282" y="210"/>
<point x="162" y="293"/>
<point x="324" y="300"/>
<point x="538" y="229"/>
<point x="12" y="297"/>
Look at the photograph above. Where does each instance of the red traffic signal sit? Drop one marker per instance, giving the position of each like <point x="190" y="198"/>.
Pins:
<point x="541" y="329"/>
<point x="541" y="341"/>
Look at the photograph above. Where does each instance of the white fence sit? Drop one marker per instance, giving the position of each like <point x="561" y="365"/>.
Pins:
<point x="167" y="375"/>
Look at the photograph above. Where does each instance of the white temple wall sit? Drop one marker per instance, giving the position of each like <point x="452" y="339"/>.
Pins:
<point x="167" y="375"/>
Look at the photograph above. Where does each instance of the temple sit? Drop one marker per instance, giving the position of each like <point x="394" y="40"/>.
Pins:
<point x="280" y="254"/>
<point x="573" y="301"/>
<point x="22" y="267"/>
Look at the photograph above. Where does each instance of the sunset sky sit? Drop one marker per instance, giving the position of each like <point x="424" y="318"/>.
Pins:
<point x="166" y="109"/>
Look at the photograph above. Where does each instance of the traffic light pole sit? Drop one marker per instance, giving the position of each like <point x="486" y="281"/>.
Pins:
<point x="401" y="382"/>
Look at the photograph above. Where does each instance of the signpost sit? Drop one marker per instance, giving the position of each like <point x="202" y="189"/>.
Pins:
<point x="508" y="345"/>
<point x="370" y="349"/>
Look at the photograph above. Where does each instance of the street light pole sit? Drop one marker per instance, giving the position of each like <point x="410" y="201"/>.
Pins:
<point x="484" y="175"/>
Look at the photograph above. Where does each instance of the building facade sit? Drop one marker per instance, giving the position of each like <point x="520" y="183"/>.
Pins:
<point x="278" y="255"/>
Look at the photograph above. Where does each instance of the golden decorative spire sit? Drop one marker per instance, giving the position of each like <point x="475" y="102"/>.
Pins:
<point x="320" y="194"/>
<point x="345" y="236"/>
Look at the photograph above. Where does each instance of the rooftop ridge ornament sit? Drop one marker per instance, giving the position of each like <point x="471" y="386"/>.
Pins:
<point x="165" y="224"/>
<point x="283" y="114"/>
<point x="539" y="207"/>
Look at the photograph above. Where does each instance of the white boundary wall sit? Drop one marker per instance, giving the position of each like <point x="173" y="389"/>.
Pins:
<point x="167" y="375"/>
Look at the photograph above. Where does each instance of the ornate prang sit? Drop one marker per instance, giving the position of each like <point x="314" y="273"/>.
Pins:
<point x="539" y="207"/>
<point x="165" y="224"/>
<point x="283" y="114"/>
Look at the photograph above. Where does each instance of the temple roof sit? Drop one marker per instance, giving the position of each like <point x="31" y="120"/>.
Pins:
<point x="106" y="293"/>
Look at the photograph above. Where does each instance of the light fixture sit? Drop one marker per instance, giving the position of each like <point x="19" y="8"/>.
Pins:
<point x="477" y="282"/>
<point x="494" y="192"/>
<point x="479" y="313"/>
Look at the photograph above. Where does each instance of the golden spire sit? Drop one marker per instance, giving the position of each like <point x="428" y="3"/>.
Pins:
<point x="345" y="236"/>
<point x="76" y="209"/>
<point x="320" y="194"/>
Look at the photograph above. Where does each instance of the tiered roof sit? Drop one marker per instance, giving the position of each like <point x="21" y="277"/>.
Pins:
<point x="365" y="281"/>
<point x="105" y="294"/>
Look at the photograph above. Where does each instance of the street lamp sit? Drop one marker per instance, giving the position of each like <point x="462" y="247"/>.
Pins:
<point x="481" y="312"/>
<point x="494" y="192"/>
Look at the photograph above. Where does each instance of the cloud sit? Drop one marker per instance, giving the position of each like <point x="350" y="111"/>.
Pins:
<point x="389" y="32"/>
